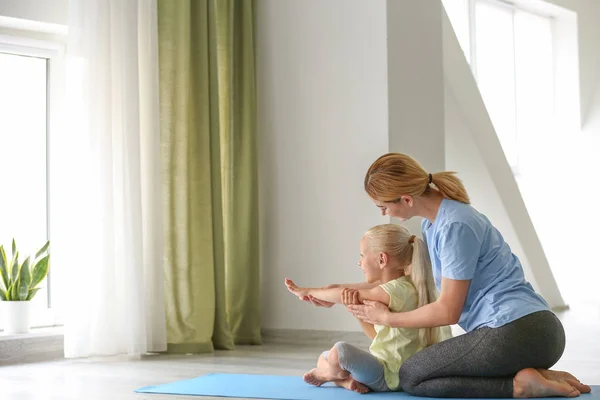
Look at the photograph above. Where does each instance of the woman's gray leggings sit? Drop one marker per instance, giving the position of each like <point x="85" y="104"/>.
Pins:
<point x="483" y="363"/>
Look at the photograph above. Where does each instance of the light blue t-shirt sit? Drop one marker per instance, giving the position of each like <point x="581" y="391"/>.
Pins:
<point x="464" y="245"/>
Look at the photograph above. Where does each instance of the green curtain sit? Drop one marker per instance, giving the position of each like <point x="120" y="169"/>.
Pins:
<point x="208" y="144"/>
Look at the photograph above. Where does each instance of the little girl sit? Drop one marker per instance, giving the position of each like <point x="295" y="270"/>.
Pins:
<point x="397" y="268"/>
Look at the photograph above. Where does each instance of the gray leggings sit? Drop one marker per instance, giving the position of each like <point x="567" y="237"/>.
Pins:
<point x="363" y="366"/>
<point x="483" y="363"/>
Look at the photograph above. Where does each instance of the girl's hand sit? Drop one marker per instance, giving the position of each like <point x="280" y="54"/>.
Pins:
<point x="350" y="296"/>
<point x="373" y="312"/>
<point x="302" y="293"/>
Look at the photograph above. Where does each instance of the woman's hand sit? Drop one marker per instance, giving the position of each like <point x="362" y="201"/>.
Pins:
<point x="296" y="290"/>
<point x="317" y="302"/>
<point x="373" y="312"/>
<point x="350" y="296"/>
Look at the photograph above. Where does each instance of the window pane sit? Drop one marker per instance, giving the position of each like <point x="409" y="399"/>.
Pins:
<point x="534" y="83"/>
<point x="458" y="13"/>
<point x="23" y="202"/>
<point x="495" y="59"/>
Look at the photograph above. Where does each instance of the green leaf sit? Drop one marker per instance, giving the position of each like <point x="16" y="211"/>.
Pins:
<point x="26" y="272"/>
<point x="24" y="279"/>
<point x="15" y="267"/>
<point x="42" y="250"/>
<point x="32" y="293"/>
<point x="4" y="268"/>
<point x="14" y="248"/>
<point x="39" y="271"/>
<point x="14" y="292"/>
<point x="3" y="295"/>
<point x="8" y="292"/>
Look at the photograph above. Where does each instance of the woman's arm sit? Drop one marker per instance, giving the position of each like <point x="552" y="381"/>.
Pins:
<point x="351" y="296"/>
<point x="445" y="311"/>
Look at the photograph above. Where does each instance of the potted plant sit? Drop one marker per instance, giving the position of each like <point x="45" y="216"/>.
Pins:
<point x="19" y="284"/>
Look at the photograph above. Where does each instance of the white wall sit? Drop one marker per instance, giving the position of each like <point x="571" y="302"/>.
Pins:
<point x="49" y="11"/>
<point x="416" y="84"/>
<point x="322" y="98"/>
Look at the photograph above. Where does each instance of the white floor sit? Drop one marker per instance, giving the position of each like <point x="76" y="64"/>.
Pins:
<point x="115" y="379"/>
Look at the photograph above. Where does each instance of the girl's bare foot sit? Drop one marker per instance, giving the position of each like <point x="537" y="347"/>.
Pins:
<point x="353" y="385"/>
<point x="529" y="383"/>
<point x="317" y="377"/>
<point x="563" y="376"/>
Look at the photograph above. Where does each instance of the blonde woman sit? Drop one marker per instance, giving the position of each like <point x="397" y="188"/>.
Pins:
<point x="512" y="336"/>
<point x="398" y="274"/>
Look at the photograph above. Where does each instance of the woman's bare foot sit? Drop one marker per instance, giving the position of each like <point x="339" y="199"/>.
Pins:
<point x="563" y="376"/>
<point x="317" y="377"/>
<point x="529" y="383"/>
<point x="353" y="385"/>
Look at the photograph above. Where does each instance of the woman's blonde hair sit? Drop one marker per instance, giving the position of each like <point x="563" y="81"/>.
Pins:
<point x="411" y="254"/>
<point x="394" y="175"/>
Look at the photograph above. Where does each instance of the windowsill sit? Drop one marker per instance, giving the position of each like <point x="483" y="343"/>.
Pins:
<point x="40" y="344"/>
<point x="51" y="331"/>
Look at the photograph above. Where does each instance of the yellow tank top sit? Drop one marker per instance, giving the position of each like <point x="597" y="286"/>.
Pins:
<point x="393" y="346"/>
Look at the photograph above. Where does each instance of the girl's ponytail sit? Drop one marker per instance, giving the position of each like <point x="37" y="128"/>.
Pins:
<point x="422" y="279"/>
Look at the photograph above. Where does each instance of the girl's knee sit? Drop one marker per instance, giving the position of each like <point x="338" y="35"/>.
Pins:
<point x="322" y="362"/>
<point x="409" y="376"/>
<point x="339" y="350"/>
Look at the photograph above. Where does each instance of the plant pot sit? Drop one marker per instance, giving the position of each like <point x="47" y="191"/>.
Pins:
<point x="15" y="316"/>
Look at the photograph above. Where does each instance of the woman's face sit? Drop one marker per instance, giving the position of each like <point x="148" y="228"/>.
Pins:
<point x="401" y="209"/>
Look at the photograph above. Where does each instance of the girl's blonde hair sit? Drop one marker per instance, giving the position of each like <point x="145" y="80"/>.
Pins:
<point x="412" y="256"/>
<point x="394" y="175"/>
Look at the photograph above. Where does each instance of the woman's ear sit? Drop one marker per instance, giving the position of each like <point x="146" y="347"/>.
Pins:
<point x="407" y="200"/>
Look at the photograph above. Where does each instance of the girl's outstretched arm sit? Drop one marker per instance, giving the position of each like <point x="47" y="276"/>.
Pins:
<point x="333" y="293"/>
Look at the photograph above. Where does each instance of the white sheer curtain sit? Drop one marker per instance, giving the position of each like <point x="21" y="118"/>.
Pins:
<point x="109" y="243"/>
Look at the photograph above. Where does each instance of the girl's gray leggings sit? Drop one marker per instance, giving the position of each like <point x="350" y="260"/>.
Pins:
<point x="362" y="365"/>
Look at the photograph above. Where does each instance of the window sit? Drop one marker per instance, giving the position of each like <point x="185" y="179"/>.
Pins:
<point x="28" y="88"/>
<point x="511" y="55"/>
<point x="23" y="118"/>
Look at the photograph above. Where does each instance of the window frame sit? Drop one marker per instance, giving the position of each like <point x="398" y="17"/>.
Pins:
<point x="52" y="48"/>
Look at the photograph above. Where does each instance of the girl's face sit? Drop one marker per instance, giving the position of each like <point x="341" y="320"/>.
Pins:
<point x="369" y="262"/>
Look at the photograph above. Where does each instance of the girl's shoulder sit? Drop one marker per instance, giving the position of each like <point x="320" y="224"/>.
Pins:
<point x="402" y="292"/>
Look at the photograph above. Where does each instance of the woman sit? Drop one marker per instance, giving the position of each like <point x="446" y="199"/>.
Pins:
<point x="512" y="336"/>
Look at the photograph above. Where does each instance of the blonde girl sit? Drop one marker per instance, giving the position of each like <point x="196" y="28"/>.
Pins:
<point x="398" y="274"/>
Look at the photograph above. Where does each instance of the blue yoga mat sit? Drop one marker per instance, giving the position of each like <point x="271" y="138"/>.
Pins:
<point x="276" y="388"/>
